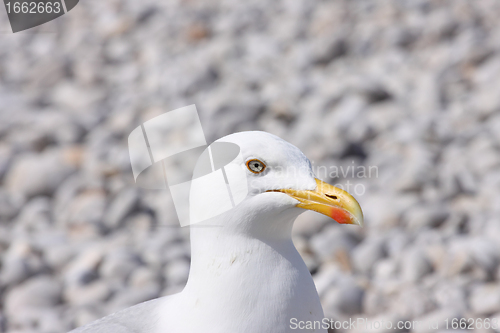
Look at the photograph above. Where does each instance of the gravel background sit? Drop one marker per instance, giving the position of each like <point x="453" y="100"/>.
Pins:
<point x="410" y="87"/>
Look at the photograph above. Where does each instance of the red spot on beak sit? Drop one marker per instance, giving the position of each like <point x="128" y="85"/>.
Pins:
<point x="340" y="215"/>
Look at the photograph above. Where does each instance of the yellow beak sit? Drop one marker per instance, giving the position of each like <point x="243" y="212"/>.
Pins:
<point x="330" y="201"/>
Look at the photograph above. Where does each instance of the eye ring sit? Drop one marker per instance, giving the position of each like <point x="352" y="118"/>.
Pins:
<point x="256" y="166"/>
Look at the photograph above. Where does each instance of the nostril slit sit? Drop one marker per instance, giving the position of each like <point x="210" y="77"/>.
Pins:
<point x="331" y="196"/>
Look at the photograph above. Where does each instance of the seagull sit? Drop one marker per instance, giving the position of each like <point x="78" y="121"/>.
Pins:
<point x="246" y="275"/>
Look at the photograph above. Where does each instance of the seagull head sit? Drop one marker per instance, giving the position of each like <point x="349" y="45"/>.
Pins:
<point x="279" y="184"/>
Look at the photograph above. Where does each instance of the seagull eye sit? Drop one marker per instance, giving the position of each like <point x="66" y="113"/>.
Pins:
<point x="256" y="166"/>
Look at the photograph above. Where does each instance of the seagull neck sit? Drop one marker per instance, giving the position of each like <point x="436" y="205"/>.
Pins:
<point x="219" y="243"/>
<point x="215" y="248"/>
<point x="249" y="278"/>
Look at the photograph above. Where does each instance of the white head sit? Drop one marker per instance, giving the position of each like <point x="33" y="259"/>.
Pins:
<point x="281" y="185"/>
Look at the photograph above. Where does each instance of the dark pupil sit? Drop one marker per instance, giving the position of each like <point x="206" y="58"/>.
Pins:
<point x="256" y="165"/>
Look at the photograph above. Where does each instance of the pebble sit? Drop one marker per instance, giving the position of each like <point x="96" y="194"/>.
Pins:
<point x="128" y="297"/>
<point x="10" y="204"/>
<point x="412" y="302"/>
<point x="385" y="269"/>
<point x="89" y="294"/>
<point x="346" y="297"/>
<point x="120" y="207"/>
<point x="86" y="212"/>
<point x="5" y="158"/>
<point x="425" y="216"/>
<point x="20" y="261"/>
<point x="176" y="272"/>
<point x="327" y="276"/>
<point x="119" y="264"/>
<point x="84" y="268"/>
<point x="415" y="265"/>
<point x="332" y="241"/>
<point x="375" y="302"/>
<point x="144" y="277"/>
<point x="308" y="224"/>
<point x="485" y="299"/>
<point x="52" y="167"/>
<point x="366" y="254"/>
<point x="305" y="252"/>
<point x="38" y="292"/>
